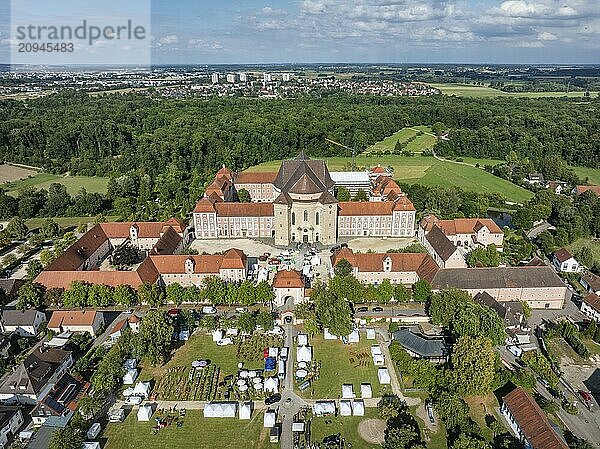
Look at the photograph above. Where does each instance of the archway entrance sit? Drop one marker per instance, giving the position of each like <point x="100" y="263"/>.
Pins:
<point x="305" y="238"/>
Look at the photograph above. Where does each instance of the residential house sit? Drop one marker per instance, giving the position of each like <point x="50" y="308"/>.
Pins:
<point x="590" y="307"/>
<point x="529" y="422"/>
<point x="465" y="232"/>
<point x="591" y="283"/>
<point x="420" y="346"/>
<point x="540" y="287"/>
<point x="132" y="322"/>
<point x="35" y="376"/>
<point x="535" y="179"/>
<point x="564" y="261"/>
<point x="61" y="400"/>
<point x="578" y="190"/>
<point x="11" y="420"/>
<point x="11" y="287"/>
<point x="288" y="285"/>
<point x="23" y="323"/>
<point x="5" y="343"/>
<point x="76" y="321"/>
<point x="398" y="268"/>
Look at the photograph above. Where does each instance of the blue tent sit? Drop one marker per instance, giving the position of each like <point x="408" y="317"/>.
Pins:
<point x="270" y="363"/>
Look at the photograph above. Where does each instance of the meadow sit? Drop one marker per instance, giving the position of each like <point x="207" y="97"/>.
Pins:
<point x="470" y="90"/>
<point x="93" y="184"/>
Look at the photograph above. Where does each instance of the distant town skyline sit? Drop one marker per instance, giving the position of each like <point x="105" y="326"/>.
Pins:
<point x="394" y="31"/>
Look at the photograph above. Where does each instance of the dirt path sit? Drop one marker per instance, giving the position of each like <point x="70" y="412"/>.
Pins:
<point x="372" y="430"/>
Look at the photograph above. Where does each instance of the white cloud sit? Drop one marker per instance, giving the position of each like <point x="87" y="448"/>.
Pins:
<point x="314" y="6"/>
<point x="201" y="44"/>
<point x="546" y="36"/>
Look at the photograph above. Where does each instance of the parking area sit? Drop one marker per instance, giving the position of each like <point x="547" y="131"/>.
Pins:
<point x="250" y="247"/>
<point x="378" y="245"/>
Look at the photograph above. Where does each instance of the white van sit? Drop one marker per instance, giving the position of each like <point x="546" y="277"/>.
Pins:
<point x="209" y="310"/>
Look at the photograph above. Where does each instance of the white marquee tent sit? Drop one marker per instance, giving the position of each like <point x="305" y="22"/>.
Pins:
<point x="245" y="411"/>
<point x="272" y="384"/>
<point x="217" y="335"/>
<point x="345" y="408"/>
<point x="347" y="391"/>
<point x="220" y="409"/>
<point x="370" y="334"/>
<point x="358" y="408"/>
<point x="366" y="391"/>
<point x="302" y="339"/>
<point x="321" y="408"/>
<point x="354" y="336"/>
<point x="130" y="376"/>
<point x="298" y="427"/>
<point x="375" y="350"/>
<point x="378" y="360"/>
<point x="144" y="413"/>
<point x="384" y="376"/>
<point x="303" y="354"/>
<point x="328" y="335"/>
<point x="270" y="419"/>
<point x="142" y="389"/>
<point x="130" y="364"/>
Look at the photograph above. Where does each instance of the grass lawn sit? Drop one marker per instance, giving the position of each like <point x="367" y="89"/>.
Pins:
<point x="420" y="143"/>
<point x="65" y="222"/>
<point x="591" y="174"/>
<point x="479" y="408"/>
<point x="427" y="171"/>
<point x="337" y="369"/>
<point x="199" y="347"/>
<point x="594" y="245"/>
<point x="347" y="426"/>
<point x="470" y="90"/>
<point x="197" y="432"/>
<point x="73" y="184"/>
<point x="437" y="440"/>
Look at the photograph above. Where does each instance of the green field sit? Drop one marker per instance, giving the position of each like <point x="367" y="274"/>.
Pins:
<point x="347" y="426"/>
<point x="427" y="171"/>
<point x="591" y="174"/>
<point x="341" y="364"/>
<point x="197" y="432"/>
<point x="73" y="184"/>
<point x="594" y="245"/>
<point x="470" y="90"/>
<point x="420" y="143"/>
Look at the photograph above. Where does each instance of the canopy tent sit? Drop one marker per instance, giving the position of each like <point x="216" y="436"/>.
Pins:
<point x="142" y="389"/>
<point x="90" y="445"/>
<point x="301" y="373"/>
<point x="347" y="391"/>
<point x="144" y="413"/>
<point x="366" y="391"/>
<point x="130" y="364"/>
<point x="328" y="335"/>
<point x="217" y="335"/>
<point x="306" y="270"/>
<point x="220" y="409"/>
<point x="272" y="384"/>
<point x="322" y="408"/>
<point x="375" y="350"/>
<point x="128" y="392"/>
<point x="231" y="332"/>
<point x="302" y="339"/>
<point x="269" y="364"/>
<point x="303" y="353"/>
<point x="345" y="408"/>
<point x="316" y="260"/>
<point x="270" y="419"/>
<point x="130" y="376"/>
<point x="384" y="376"/>
<point x="273" y="352"/>
<point x="302" y="365"/>
<point x="378" y="360"/>
<point x="243" y="388"/>
<point x="245" y="411"/>
<point x="358" y="408"/>
<point x="298" y="427"/>
<point x="354" y="336"/>
<point x="370" y="334"/>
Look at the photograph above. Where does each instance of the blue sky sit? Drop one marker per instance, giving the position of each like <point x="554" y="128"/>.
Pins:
<point x="402" y="31"/>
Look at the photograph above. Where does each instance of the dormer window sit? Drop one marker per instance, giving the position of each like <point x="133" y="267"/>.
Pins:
<point x="387" y="264"/>
<point x="133" y="232"/>
<point x="189" y="265"/>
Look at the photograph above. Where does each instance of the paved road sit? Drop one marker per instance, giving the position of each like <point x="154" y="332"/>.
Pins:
<point x="390" y="312"/>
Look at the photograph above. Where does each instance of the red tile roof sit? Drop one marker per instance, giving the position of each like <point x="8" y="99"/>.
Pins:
<point x="532" y="421"/>
<point x="203" y="264"/>
<point x="76" y="254"/>
<point x="288" y="279"/>
<point x="460" y="225"/>
<point x="582" y="189"/>
<point x="353" y="208"/>
<point x="72" y="318"/>
<point x="593" y="300"/>
<point x="562" y="255"/>
<point x="244" y="209"/>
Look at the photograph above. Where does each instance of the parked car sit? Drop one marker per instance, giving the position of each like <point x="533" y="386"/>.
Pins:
<point x="240" y="309"/>
<point x="263" y="258"/>
<point x="225" y="342"/>
<point x="273" y="399"/>
<point x="133" y="400"/>
<point x="334" y="248"/>
<point x="209" y="310"/>
<point x="362" y="309"/>
<point x="377" y="309"/>
<point x="587" y="397"/>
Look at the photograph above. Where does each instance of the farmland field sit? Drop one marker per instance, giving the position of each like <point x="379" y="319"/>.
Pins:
<point x="10" y="173"/>
<point x="196" y="432"/>
<point x="591" y="174"/>
<point x="419" y="143"/>
<point x="92" y="184"/>
<point x="427" y="171"/>
<point x="470" y="90"/>
<point x="594" y="245"/>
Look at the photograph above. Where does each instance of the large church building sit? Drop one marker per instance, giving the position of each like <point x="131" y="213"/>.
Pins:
<point x="297" y="204"/>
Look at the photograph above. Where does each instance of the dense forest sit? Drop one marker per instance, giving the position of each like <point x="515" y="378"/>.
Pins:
<point x="111" y="135"/>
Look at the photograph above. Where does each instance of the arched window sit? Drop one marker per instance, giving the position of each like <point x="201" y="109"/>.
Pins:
<point x="293" y="218"/>
<point x="305" y="215"/>
<point x="317" y="218"/>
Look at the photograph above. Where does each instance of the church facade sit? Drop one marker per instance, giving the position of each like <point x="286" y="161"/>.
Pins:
<point x="297" y="204"/>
